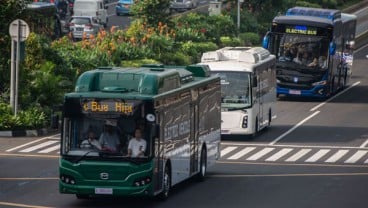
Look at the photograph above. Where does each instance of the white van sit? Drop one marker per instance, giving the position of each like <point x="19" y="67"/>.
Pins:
<point x="95" y="8"/>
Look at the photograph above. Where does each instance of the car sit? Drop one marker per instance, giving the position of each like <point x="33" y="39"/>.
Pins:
<point x="83" y="27"/>
<point x="123" y="7"/>
<point x="183" y="5"/>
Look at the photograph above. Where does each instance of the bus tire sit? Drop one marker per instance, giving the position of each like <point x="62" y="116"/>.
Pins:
<point x="166" y="184"/>
<point x="202" y="165"/>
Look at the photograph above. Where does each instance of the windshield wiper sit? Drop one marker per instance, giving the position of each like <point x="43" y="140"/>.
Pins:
<point x="83" y="156"/>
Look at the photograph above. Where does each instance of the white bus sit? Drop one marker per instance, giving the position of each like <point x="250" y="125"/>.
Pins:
<point x="248" y="88"/>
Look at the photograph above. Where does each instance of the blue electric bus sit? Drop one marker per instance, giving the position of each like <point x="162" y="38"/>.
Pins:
<point x="314" y="51"/>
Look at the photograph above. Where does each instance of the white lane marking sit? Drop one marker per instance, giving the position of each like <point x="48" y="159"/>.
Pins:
<point x="241" y="153"/>
<point x="298" y="155"/>
<point x="293" y="128"/>
<point x="35" y="141"/>
<point x="227" y="150"/>
<point x="33" y="148"/>
<point x="50" y="149"/>
<point x="279" y="154"/>
<point x="338" y="94"/>
<point x="338" y="155"/>
<point x="364" y="144"/>
<point x="317" y="155"/>
<point x="359" y="154"/>
<point x="260" y="153"/>
<point x="291" y="146"/>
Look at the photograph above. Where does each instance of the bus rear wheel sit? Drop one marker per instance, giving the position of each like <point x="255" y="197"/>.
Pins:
<point x="203" y="165"/>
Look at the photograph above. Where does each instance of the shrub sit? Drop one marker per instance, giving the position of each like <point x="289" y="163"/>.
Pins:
<point x="250" y="39"/>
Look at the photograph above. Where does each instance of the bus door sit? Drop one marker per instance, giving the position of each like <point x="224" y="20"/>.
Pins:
<point x="194" y="132"/>
<point x="158" y="155"/>
<point x="260" y="100"/>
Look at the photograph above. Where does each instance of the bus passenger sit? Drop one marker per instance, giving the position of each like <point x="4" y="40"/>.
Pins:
<point x="137" y="145"/>
<point x="91" y="142"/>
<point x="109" y="139"/>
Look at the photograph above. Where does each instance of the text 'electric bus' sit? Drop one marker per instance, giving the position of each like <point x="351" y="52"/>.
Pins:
<point x="314" y="51"/>
<point x="248" y="88"/>
<point x="177" y="111"/>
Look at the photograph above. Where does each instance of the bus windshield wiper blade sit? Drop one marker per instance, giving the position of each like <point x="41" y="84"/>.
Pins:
<point x="84" y="155"/>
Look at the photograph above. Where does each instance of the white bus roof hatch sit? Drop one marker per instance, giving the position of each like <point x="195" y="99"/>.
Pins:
<point x="241" y="54"/>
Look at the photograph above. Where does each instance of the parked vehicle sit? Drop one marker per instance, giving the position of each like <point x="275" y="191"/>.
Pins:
<point x="83" y="27"/>
<point x="123" y="7"/>
<point x="183" y="5"/>
<point x="94" y="8"/>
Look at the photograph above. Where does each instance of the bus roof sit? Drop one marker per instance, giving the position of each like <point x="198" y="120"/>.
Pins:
<point x="331" y="14"/>
<point x="146" y="81"/>
<point x="237" y="58"/>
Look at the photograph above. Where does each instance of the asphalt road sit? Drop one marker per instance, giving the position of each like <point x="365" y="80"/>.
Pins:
<point x="315" y="154"/>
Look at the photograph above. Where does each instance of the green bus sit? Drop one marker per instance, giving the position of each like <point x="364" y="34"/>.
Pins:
<point x="178" y="109"/>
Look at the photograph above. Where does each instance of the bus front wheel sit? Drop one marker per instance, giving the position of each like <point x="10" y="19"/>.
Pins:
<point x="166" y="184"/>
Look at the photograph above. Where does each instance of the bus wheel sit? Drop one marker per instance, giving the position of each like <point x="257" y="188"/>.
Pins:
<point x="203" y="165"/>
<point x="167" y="184"/>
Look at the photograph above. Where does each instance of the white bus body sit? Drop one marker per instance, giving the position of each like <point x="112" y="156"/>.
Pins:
<point x="248" y="87"/>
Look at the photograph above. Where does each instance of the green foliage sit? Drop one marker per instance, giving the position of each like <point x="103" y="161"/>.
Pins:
<point x="228" y="41"/>
<point x="151" y="12"/>
<point x="250" y="39"/>
<point x="31" y="118"/>
<point x="138" y="62"/>
<point x="199" y="25"/>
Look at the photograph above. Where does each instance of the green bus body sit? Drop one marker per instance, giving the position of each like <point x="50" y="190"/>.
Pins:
<point x="178" y="108"/>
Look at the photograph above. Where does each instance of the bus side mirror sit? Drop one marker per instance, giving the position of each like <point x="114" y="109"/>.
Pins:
<point x="266" y="40"/>
<point x="332" y="48"/>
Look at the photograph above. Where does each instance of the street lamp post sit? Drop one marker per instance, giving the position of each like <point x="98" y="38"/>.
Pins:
<point x="238" y="22"/>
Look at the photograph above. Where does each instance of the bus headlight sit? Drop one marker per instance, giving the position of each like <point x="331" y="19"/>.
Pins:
<point x="245" y="122"/>
<point x="67" y="179"/>
<point x="319" y="83"/>
<point x="142" y="181"/>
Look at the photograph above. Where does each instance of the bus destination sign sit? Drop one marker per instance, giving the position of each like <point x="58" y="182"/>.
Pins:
<point x="299" y="29"/>
<point x="105" y="106"/>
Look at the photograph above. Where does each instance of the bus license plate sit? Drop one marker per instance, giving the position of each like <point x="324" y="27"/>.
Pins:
<point x="294" y="92"/>
<point x="103" y="191"/>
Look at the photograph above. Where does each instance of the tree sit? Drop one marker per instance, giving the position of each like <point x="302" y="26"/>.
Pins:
<point x="9" y="11"/>
<point x="151" y="12"/>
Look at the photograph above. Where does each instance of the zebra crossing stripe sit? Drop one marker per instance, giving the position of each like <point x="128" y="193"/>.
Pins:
<point x="317" y="155"/>
<point x="359" y="154"/>
<point x="338" y="155"/>
<point x="50" y="149"/>
<point x="260" y="153"/>
<point x="227" y="150"/>
<point x="33" y="148"/>
<point x="279" y="154"/>
<point x="241" y="153"/>
<point x="298" y="155"/>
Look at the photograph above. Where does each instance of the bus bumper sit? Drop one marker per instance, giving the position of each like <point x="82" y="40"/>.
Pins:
<point x="319" y="91"/>
<point x="101" y="191"/>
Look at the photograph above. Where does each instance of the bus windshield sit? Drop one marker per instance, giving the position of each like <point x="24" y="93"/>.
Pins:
<point x="235" y="89"/>
<point x="99" y="130"/>
<point x="306" y="53"/>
